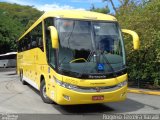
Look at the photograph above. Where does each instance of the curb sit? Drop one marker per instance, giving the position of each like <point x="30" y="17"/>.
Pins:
<point x="149" y="92"/>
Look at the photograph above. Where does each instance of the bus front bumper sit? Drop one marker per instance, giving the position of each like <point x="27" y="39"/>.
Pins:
<point x="66" y="96"/>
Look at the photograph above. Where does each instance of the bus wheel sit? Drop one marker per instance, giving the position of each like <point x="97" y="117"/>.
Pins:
<point x="21" y="78"/>
<point x="43" y="93"/>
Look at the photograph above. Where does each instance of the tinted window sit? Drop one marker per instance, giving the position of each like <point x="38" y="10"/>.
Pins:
<point x="32" y="40"/>
<point x="49" y="49"/>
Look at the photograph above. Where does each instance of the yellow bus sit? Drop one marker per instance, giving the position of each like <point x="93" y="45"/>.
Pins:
<point x="75" y="57"/>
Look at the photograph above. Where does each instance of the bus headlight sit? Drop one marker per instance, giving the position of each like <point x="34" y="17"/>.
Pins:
<point x="121" y="84"/>
<point x="66" y="85"/>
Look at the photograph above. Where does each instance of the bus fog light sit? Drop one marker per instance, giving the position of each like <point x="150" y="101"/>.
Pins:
<point x="66" y="97"/>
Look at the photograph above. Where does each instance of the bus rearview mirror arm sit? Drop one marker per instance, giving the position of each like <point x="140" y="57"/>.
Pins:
<point x="54" y="36"/>
<point x="136" y="41"/>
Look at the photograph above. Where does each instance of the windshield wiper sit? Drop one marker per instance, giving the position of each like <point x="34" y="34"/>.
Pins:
<point x="112" y="69"/>
<point x="92" y="53"/>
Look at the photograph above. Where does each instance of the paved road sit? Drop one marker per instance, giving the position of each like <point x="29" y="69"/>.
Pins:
<point x="18" y="98"/>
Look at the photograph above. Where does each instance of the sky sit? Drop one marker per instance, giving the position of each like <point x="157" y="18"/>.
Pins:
<point x="46" y="5"/>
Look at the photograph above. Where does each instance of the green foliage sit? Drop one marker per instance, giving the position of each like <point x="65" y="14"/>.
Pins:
<point x="104" y="10"/>
<point x="9" y="31"/>
<point x="112" y="3"/>
<point x="144" y="65"/>
<point x="14" y="20"/>
<point x="23" y="14"/>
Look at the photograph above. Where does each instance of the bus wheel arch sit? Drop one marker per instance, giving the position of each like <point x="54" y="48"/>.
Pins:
<point x="43" y="90"/>
<point x="21" y="77"/>
<point x="41" y="79"/>
<point x="21" y="74"/>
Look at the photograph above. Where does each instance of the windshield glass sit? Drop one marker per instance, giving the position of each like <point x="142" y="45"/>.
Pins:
<point x="90" y="46"/>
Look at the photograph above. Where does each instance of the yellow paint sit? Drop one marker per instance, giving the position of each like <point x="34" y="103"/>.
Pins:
<point x="136" y="42"/>
<point x="54" y="36"/>
<point x="149" y="92"/>
<point x="95" y="82"/>
<point x="77" y="14"/>
<point x="86" y="98"/>
<point x="34" y="64"/>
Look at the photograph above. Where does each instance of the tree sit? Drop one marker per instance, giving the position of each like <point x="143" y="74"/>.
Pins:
<point x="9" y="31"/>
<point x="20" y="13"/>
<point x="14" y="20"/>
<point x="104" y="10"/>
<point x="144" y="65"/>
<point x="112" y="3"/>
<point x="124" y="3"/>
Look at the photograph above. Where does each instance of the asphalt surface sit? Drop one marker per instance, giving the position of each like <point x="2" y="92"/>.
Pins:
<point x="23" y="99"/>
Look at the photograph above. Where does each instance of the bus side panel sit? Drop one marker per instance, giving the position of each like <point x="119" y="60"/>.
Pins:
<point x="40" y="65"/>
<point x="52" y="86"/>
<point x="28" y="64"/>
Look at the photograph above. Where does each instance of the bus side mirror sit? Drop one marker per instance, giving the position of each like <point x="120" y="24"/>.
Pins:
<point x="136" y="42"/>
<point x="54" y="36"/>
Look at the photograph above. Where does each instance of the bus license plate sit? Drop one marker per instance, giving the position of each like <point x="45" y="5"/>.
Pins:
<point x="97" y="97"/>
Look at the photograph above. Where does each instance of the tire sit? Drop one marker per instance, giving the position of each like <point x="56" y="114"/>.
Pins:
<point x="43" y="93"/>
<point x="21" y="78"/>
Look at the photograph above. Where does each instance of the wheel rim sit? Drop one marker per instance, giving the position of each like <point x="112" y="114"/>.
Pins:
<point x="44" y="91"/>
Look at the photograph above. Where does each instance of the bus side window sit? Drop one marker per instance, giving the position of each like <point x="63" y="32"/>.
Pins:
<point x="50" y="51"/>
<point x="36" y="37"/>
<point x="19" y="46"/>
<point x="33" y="39"/>
<point x="39" y="37"/>
<point x="40" y="43"/>
<point x="28" y="43"/>
<point x="22" y="45"/>
<point x="34" y="42"/>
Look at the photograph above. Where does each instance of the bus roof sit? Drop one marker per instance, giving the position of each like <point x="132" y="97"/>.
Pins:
<point x="10" y="53"/>
<point x="75" y="14"/>
<point x="78" y="14"/>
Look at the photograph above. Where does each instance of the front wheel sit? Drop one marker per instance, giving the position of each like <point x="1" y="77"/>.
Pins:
<point x="43" y="93"/>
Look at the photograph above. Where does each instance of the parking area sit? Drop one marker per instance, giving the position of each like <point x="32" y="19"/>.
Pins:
<point x="18" y="98"/>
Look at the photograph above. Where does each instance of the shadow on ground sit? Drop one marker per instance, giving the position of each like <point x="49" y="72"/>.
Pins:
<point x="7" y="69"/>
<point x="119" y="107"/>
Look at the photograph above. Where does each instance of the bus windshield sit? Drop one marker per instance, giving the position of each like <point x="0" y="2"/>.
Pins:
<point x="90" y="47"/>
